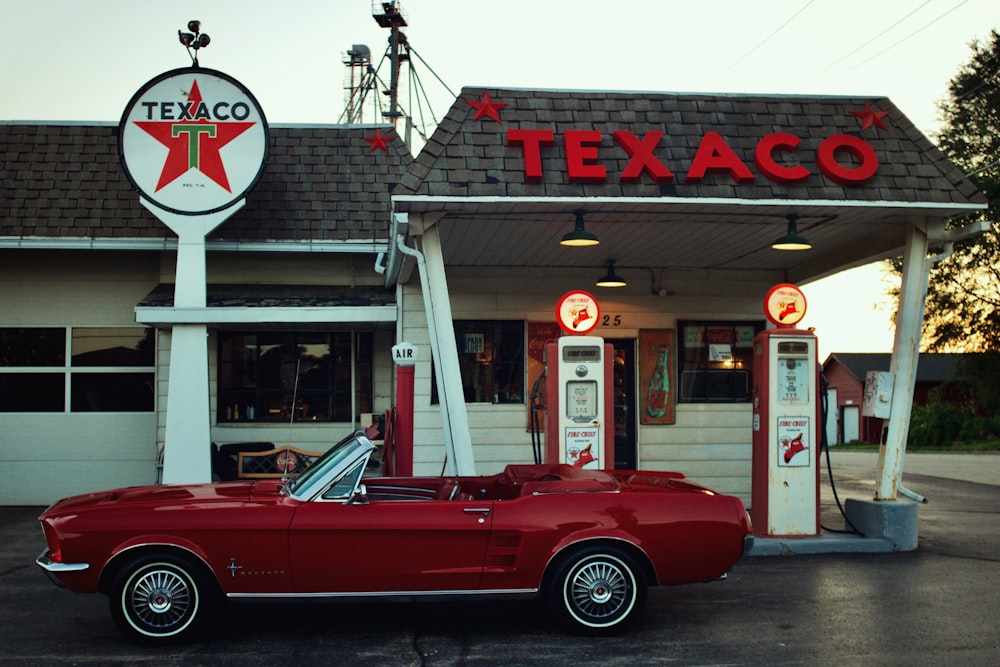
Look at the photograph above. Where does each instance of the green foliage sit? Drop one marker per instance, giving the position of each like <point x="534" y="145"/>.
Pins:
<point x="935" y="425"/>
<point x="963" y="299"/>
<point x="979" y="373"/>
<point x="966" y="410"/>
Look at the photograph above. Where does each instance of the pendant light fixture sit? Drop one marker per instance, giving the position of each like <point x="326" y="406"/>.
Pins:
<point x="611" y="279"/>
<point x="791" y="240"/>
<point x="579" y="237"/>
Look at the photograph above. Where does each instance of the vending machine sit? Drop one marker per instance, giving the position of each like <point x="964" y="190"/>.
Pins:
<point x="786" y="434"/>
<point x="579" y="427"/>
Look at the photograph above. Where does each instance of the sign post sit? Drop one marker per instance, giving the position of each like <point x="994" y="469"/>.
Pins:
<point x="193" y="142"/>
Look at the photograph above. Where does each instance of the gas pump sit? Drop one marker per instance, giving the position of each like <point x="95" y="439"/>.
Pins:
<point x="579" y="427"/>
<point x="786" y="433"/>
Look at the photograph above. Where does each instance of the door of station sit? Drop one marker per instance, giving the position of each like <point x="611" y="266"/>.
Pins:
<point x="624" y="388"/>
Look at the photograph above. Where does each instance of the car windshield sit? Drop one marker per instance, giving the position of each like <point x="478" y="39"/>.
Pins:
<point x="332" y="464"/>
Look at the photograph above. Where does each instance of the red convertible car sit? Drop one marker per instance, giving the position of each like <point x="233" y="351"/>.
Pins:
<point x="588" y="542"/>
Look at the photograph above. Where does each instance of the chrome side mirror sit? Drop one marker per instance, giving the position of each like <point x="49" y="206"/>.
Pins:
<point x="360" y="497"/>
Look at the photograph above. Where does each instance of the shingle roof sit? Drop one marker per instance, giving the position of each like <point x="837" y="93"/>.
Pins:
<point x="321" y="183"/>
<point x="469" y="157"/>
<point x="271" y="296"/>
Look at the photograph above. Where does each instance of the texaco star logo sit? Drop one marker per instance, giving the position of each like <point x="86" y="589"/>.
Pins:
<point x="193" y="141"/>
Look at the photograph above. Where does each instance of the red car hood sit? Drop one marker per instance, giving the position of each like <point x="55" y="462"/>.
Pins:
<point x="161" y="495"/>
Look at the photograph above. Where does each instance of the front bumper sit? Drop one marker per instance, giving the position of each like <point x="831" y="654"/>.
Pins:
<point x="54" y="568"/>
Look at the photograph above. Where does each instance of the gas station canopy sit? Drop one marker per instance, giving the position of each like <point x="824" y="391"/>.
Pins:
<point x="680" y="181"/>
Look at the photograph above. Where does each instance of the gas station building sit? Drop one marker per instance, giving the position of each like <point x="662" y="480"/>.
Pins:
<point x="346" y="246"/>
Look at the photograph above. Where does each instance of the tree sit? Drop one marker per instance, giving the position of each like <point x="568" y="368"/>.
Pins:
<point x="963" y="297"/>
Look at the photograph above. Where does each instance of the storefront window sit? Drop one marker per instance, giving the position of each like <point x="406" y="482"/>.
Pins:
<point x="294" y="376"/>
<point x="32" y="346"/>
<point x="119" y="374"/>
<point x="32" y="392"/>
<point x="716" y="361"/>
<point x="112" y="346"/>
<point x="491" y="360"/>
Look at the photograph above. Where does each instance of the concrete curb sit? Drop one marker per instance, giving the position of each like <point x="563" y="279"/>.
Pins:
<point x="825" y="543"/>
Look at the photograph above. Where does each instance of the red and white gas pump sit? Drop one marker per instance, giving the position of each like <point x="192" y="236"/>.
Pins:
<point x="786" y="422"/>
<point x="580" y="429"/>
<point x="579" y="370"/>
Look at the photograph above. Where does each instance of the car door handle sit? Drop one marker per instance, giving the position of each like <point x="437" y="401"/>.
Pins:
<point x="476" y="510"/>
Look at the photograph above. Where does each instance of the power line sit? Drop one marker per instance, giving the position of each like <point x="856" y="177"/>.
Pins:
<point x="895" y="44"/>
<point x="762" y="42"/>
<point x="848" y="55"/>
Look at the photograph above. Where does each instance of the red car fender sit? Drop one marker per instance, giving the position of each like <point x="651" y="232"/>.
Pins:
<point x="599" y="535"/>
<point x="133" y="544"/>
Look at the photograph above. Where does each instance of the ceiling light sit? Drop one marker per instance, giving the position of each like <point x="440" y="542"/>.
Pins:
<point x="579" y="237"/>
<point x="791" y="240"/>
<point x="611" y="279"/>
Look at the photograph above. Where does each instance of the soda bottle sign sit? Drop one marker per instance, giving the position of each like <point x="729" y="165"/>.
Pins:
<point x="659" y="386"/>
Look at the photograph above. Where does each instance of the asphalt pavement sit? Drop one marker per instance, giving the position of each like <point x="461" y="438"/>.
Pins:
<point x="936" y="605"/>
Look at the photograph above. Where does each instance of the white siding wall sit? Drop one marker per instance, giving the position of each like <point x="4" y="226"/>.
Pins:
<point x="711" y="444"/>
<point x="237" y="268"/>
<point x="46" y="456"/>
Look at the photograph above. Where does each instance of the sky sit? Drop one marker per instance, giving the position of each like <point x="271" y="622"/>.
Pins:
<point x="82" y="60"/>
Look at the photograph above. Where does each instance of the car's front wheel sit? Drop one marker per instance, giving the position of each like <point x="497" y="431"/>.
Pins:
<point x="597" y="589"/>
<point x="161" y="598"/>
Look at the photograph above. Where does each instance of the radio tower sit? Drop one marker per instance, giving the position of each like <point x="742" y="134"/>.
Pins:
<point x="360" y="81"/>
<point x="362" y="78"/>
<point x="391" y="16"/>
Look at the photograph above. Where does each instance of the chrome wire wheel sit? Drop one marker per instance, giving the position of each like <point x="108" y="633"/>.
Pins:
<point x="597" y="590"/>
<point x="162" y="600"/>
<point x="600" y="588"/>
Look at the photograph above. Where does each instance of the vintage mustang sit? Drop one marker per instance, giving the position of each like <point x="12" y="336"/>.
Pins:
<point x="588" y="542"/>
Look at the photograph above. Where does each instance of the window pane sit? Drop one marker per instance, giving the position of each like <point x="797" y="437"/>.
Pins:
<point x="475" y="359"/>
<point x="32" y="392"/>
<point x="715" y="361"/>
<point x="261" y="375"/>
<point x="113" y="346"/>
<point x="29" y="346"/>
<point x="491" y="361"/>
<point x="111" y="392"/>
<point x="508" y="367"/>
<point x="314" y="361"/>
<point x="276" y="361"/>
<point x="237" y="360"/>
<point x="364" y="375"/>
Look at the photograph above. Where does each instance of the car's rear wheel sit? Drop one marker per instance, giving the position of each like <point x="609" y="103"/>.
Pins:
<point x="597" y="589"/>
<point x="161" y="598"/>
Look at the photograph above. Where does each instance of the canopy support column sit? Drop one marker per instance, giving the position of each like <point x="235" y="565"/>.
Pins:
<point x="905" y="354"/>
<point x="437" y="306"/>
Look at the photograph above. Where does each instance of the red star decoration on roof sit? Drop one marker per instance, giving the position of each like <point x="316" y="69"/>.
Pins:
<point x="203" y="154"/>
<point x="378" y="141"/>
<point x="871" y="117"/>
<point x="486" y="107"/>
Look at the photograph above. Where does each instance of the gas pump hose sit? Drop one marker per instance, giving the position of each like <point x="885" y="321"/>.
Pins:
<point x="825" y="444"/>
